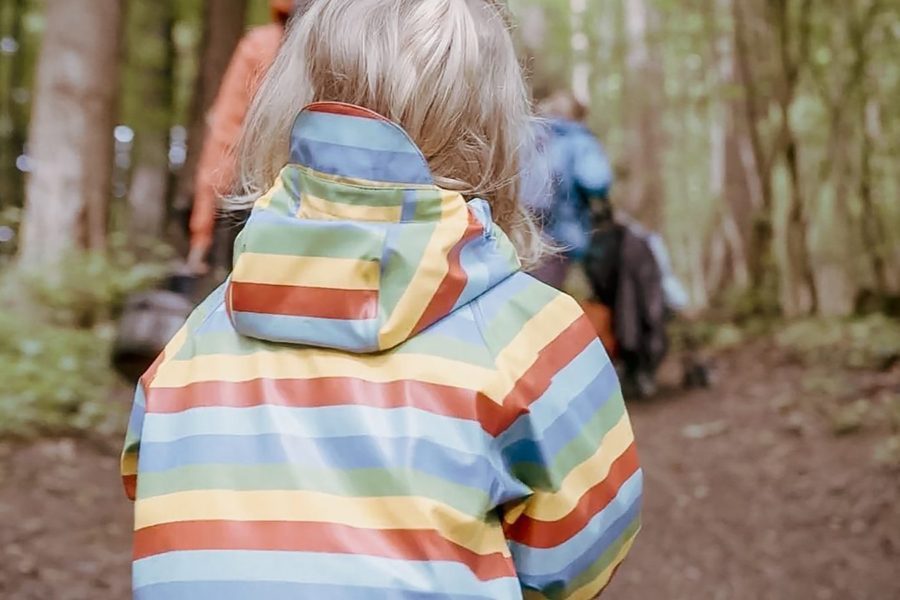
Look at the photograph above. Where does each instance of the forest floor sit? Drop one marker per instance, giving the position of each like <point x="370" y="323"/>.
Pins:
<point x="766" y="486"/>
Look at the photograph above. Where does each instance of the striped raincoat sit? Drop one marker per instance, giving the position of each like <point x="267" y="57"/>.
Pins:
<point x="378" y="404"/>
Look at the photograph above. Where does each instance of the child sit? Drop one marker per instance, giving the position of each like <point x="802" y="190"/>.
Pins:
<point x="378" y="403"/>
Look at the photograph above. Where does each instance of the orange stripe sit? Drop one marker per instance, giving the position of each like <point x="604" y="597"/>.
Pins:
<point x="315" y="537"/>
<point x="323" y="303"/>
<point x="438" y="399"/>
<point x="130" y="484"/>
<point x="535" y="381"/>
<point x="454" y="282"/>
<point x="339" y="108"/>
<point x="547" y="534"/>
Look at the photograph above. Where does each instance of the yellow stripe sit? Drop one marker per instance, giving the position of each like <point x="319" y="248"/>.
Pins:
<point x="432" y="269"/>
<point x="313" y="207"/>
<point x="521" y="353"/>
<point x="398" y="512"/>
<point x="591" y="589"/>
<point x="360" y="182"/>
<point x="320" y="272"/>
<point x="310" y="363"/>
<point x="266" y="199"/>
<point x="553" y="506"/>
<point x="128" y="463"/>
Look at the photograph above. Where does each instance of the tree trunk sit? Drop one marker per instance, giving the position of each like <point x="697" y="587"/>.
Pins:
<point x="873" y="232"/>
<point x="13" y="114"/>
<point x="761" y="256"/>
<point x="799" y="258"/>
<point x="727" y="177"/>
<point x="644" y="89"/>
<point x="153" y="55"/>
<point x="223" y="25"/>
<point x="581" y="69"/>
<point x="71" y="141"/>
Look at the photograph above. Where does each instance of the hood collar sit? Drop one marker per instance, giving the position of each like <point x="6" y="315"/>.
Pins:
<point x="355" y="247"/>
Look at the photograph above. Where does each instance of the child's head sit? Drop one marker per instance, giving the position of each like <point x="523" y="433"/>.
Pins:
<point x="445" y="70"/>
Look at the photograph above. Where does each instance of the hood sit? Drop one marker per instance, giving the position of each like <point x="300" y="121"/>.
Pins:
<point x="355" y="247"/>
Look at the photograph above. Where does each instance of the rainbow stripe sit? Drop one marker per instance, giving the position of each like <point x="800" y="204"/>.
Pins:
<point x="378" y="404"/>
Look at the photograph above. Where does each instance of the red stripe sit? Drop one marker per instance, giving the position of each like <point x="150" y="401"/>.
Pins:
<point x="548" y="534"/>
<point x="455" y="280"/>
<point x="323" y="303"/>
<point x="442" y="400"/>
<point x="340" y="108"/>
<point x="535" y="381"/>
<point x="129" y="482"/>
<point x="289" y="536"/>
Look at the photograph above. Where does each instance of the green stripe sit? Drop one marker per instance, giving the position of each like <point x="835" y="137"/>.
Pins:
<point x="407" y="244"/>
<point x="325" y="242"/>
<point x="429" y="205"/>
<point x="219" y="342"/>
<point x="447" y="347"/>
<point x="605" y="560"/>
<point x="344" y="193"/>
<point x="521" y="308"/>
<point x="365" y="483"/>
<point x="581" y="448"/>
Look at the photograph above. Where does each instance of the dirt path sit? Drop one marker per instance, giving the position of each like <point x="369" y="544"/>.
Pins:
<point x="749" y="496"/>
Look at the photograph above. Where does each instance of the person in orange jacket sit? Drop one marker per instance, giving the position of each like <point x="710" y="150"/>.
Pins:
<point x="253" y="56"/>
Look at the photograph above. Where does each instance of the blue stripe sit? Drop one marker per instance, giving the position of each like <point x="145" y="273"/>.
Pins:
<point x="462" y="327"/>
<point x="279" y="590"/>
<point x="352" y="452"/>
<point x="340" y="334"/>
<point x="359" y="163"/>
<point x="410" y="202"/>
<point x="501" y="298"/>
<point x="584" y="548"/>
<point x="321" y="422"/>
<point x="485" y="267"/>
<point x="575" y="394"/>
<point x="351" y="130"/>
<point x="318" y="568"/>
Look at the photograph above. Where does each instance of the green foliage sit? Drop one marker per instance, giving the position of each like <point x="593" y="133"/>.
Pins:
<point x="55" y="379"/>
<point x="92" y="285"/>
<point x="55" y="342"/>
<point x="872" y="342"/>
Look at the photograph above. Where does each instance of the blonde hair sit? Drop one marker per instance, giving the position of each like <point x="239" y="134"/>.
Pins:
<point x="445" y="70"/>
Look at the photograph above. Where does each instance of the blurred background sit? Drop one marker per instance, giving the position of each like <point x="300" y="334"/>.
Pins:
<point x="761" y="138"/>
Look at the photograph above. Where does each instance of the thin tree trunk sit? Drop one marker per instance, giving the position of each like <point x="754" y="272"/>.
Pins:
<point x="223" y="25"/>
<point x="873" y="232"/>
<point x="154" y="56"/>
<point x="644" y="90"/>
<point x="581" y="70"/>
<point x="799" y="256"/>
<point x="71" y="142"/>
<point x="12" y="111"/>
<point x="727" y="186"/>
<point x="761" y="255"/>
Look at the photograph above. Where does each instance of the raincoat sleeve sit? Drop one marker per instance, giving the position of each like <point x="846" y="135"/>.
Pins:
<point x="216" y="169"/>
<point x="590" y="168"/>
<point x="574" y="450"/>
<point x="129" y="459"/>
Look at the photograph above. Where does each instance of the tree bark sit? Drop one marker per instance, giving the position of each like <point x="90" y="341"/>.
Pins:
<point x="644" y="90"/>
<point x="581" y="69"/>
<point x="799" y="257"/>
<point x="223" y="25"/>
<point x="761" y="256"/>
<point x="71" y="141"/>
<point x="153" y="54"/>
<point x="727" y="177"/>
<point x="14" y="117"/>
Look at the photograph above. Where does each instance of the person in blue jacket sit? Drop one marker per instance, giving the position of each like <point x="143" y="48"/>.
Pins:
<point x="579" y="173"/>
